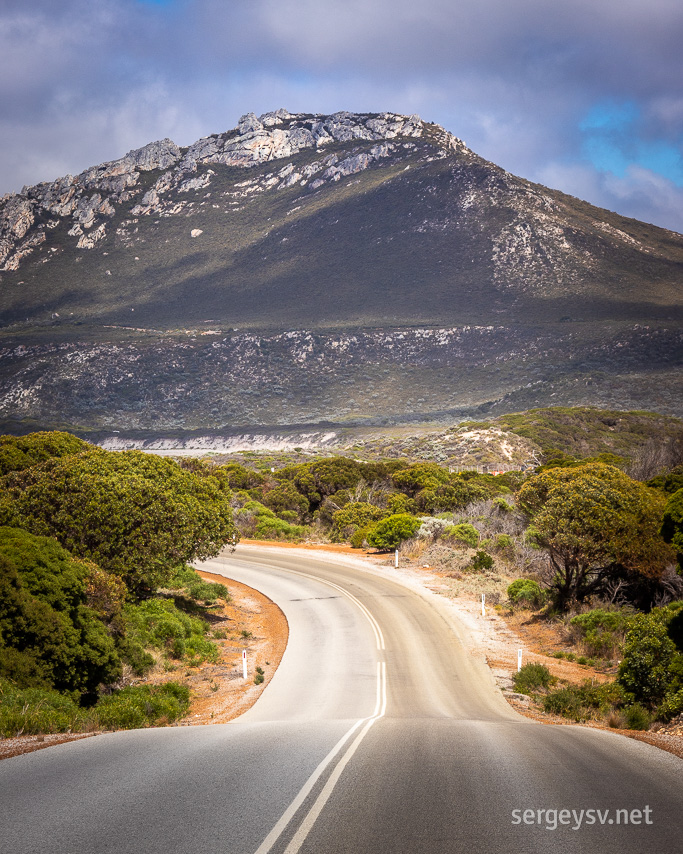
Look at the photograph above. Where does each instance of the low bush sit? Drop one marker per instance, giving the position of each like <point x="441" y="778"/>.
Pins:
<point x="389" y="533"/>
<point x="351" y="517"/>
<point x="480" y="561"/>
<point x="526" y="592"/>
<point x="636" y="717"/>
<point x="359" y="538"/>
<point x="565" y="702"/>
<point x="30" y="711"/>
<point x="671" y="707"/>
<point x="187" y="579"/>
<point x="143" y="706"/>
<point x="600" y="632"/>
<point x="504" y="545"/>
<point x="256" y="520"/>
<point x="648" y="654"/>
<point x="33" y="711"/>
<point x="532" y="677"/>
<point x="159" y="623"/>
<point x="585" y="701"/>
<point x="462" y="533"/>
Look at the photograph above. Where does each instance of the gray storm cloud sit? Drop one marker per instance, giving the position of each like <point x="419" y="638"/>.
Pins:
<point x="82" y="82"/>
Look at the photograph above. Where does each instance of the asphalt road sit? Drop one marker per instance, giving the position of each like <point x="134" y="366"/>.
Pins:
<point x="379" y="734"/>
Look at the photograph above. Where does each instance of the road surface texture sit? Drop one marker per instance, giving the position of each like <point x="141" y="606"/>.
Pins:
<point x="379" y="734"/>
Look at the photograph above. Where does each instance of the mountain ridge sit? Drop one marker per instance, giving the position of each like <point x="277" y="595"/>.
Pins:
<point x="299" y="268"/>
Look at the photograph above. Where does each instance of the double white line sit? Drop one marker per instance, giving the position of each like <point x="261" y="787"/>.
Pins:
<point x="379" y="637"/>
<point x="360" y="729"/>
<point x="309" y="819"/>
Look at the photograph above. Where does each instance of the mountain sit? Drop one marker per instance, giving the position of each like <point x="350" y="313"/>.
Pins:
<point x="302" y="269"/>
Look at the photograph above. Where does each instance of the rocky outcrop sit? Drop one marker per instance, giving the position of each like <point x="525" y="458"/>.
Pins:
<point x="93" y="197"/>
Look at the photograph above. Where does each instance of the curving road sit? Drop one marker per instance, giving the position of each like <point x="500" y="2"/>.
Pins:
<point x="378" y="734"/>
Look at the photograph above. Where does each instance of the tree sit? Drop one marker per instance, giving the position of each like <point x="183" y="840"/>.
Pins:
<point x="389" y="533"/>
<point x="21" y="452"/>
<point x="48" y="636"/>
<point x="595" y="523"/>
<point x="136" y="515"/>
<point x="648" y="654"/>
<point x="285" y="496"/>
<point x="420" y="476"/>
<point x="354" y="515"/>
<point x="672" y="524"/>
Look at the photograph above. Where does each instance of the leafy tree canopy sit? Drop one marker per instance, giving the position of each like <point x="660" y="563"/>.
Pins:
<point x="594" y="522"/>
<point x="672" y="525"/>
<point x="669" y="483"/>
<point x="420" y="476"/>
<point x="48" y="636"/>
<point x="285" y="496"/>
<point x="354" y="515"/>
<point x="136" y="515"/>
<point x="21" y="452"/>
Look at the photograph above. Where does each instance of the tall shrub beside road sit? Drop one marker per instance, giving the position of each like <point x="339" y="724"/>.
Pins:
<point x="137" y="516"/>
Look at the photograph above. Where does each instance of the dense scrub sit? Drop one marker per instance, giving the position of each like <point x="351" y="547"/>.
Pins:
<point x="88" y="540"/>
<point x="96" y="585"/>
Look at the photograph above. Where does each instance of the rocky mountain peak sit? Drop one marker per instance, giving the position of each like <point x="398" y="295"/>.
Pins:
<point x="92" y="198"/>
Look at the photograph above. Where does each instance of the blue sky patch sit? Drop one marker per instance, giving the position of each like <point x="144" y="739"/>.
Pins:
<point x="613" y="141"/>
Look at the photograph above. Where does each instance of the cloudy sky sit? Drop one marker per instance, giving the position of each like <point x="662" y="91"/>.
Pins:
<point x="582" y="95"/>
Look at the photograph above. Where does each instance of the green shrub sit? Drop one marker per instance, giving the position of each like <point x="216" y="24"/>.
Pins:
<point x="526" y="592"/>
<point x="648" y="653"/>
<point x="463" y="533"/>
<point x="161" y="624"/>
<point x="31" y="711"/>
<point x="531" y="677"/>
<point x="352" y="516"/>
<point x="48" y="636"/>
<point x="389" y="533"/>
<point x="277" y="529"/>
<point x="504" y="545"/>
<point x="672" y="706"/>
<point x="565" y="702"/>
<point x="143" y="706"/>
<point x="134" y="655"/>
<point x="637" y="717"/>
<point x="255" y="520"/>
<point x="188" y="579"/>
<point x="480" y="561"/>
<point x="135" y="515"/>
<point x="359" y="537"/>
<point x="602" y="632"/>
<point x="579" y="702"/>
<point x="397" y="502"/>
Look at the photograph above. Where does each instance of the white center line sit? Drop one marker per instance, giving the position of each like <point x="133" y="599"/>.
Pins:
<point x="323" y="797"/>
<point x="307" y="824"/>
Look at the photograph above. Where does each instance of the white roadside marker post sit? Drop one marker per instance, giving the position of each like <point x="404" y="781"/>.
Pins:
<point x="483" y="604"/>
<point x="519" y="660"/>
<point x="396" y="558"/>
<point x="244" y="664"/>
